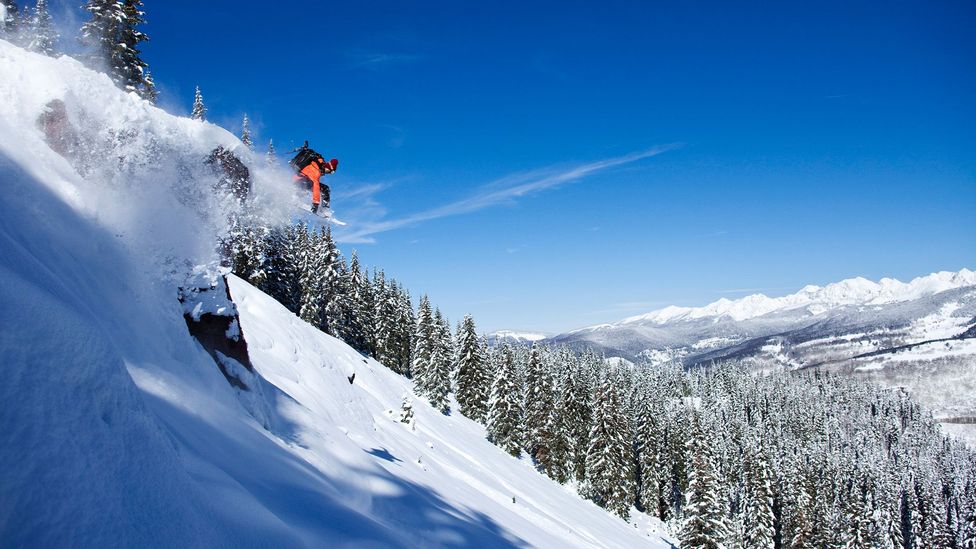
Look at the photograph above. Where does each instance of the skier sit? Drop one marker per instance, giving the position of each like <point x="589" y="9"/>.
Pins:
<point x="310" y="167"/>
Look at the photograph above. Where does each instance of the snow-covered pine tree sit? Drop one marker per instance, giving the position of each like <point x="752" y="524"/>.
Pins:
<point x="335" y="292"/>
<point x="387" y="320"/>
<point x="311" y="279"/>
<point x="559" y="464"/>
<point x="936" y="531"/>
<point x="281" y="279"/>
<point x="246" y="133"/>
<point x="383" y="316"/>
<point x="357" y="303"/>
<point x="251" y="253"/>
<point x="649" y="466"/>
<point x="471" y="373"/>
<point x="149" y="91"/>
<point x="406" y="410"/>
<point x="573" y="422"/>
<point x="609" y="473"/>
<point x="505" y="406"/>
<point x="704" y="523"/>
<point x="271" y="157"/>
<point x="199" y="111"/>
<point x="287" y="270"/>
<point x="101" y="33"/>
<point x="43" y="37"/>
<point x="114" y="39"/>
<point x="367" y="313"/>
<point x="423" y="346"/>
<point x="10" y="21"/>
<point x="757" y="507"/>
<point x="436" y="381"/>
<point x="539" y="400"/>
<point x="969" y="527"/>
<point x="404" y="332"/>
<point x="797" y="517"/>
<point x="136" y="74"/>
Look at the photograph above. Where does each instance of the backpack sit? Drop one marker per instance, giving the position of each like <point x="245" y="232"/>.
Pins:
<point x="304" y="157"/>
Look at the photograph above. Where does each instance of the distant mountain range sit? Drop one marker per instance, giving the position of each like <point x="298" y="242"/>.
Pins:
<point x="920" y="335"/>
<point x="514" y="337"/>
<point x="871" y="315"/>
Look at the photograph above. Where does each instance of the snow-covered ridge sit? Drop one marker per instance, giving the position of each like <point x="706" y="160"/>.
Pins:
<point x="512" y="335"/>
<point x="816" y="299"/>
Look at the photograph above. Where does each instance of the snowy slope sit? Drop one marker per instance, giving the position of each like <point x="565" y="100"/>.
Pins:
<point x="439" y="482"/>
<point x="117" y="429"/>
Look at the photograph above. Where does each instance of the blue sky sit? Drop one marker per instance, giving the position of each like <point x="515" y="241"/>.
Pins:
<point x="551" y="165"/>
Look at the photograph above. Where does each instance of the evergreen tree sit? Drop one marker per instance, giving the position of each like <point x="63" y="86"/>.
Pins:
<point x="404" y="332"/>
<point x="149" y="91"/>
<point x="559" y="464"/>
<point x="758" y="494"/>
<point x="102" y="33"/>
<point x="969" y="527"/>
<point x="10" y="23"/>
<point x="471" y="373"/>
<point x="406" y="410"/>
<point x="114" y="39"/>
<point x="650" y="469"/>
<point x="285" y="271"/>
<point x="384" y="316"/>
<point x="423" y="346"/>
<point x="704" y="526"/>
<point x="539" y="401"/>
<point x="246" y="133"/>
<point x="504" y="406"/>
<point x="199" y="111"/>
<point x="355" y="305"/>
<point x="43" y="35"/>
<point x="271" y="158"/>
<point x="573" y="422"/>
<point x="251" y="253"/>
<point x="609" y="475"/>
<point x="334" y="310"/>
<point x="435" y="384"/>
<point x="312" y="270"/>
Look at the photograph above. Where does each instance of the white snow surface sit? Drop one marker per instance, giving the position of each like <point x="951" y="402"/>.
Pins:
<point x="118" y="430"/>
<point x="815" y="299"/>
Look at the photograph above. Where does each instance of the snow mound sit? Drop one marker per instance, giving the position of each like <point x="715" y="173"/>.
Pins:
<point x="117" y="428"/>
<point x="815" y="299"/>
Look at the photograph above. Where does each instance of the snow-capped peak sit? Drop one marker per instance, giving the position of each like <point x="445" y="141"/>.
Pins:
<point x="816" y="299"/>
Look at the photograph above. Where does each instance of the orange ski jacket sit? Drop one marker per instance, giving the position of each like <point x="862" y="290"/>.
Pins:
<point x="313" y="172"/>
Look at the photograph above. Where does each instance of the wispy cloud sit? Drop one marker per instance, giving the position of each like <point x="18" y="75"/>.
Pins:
<point x="379" y="60"/>
<point x="505" y="190"/>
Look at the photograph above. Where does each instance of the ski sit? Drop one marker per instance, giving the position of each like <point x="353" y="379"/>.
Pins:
<point x="323" y="213"/>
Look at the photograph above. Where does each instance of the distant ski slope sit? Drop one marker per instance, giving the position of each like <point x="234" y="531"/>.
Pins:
<point x="117" y="429"/>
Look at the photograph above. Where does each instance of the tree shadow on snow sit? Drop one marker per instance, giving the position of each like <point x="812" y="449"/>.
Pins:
<point x="322" y="509"/>
<point x="383" y="453"/>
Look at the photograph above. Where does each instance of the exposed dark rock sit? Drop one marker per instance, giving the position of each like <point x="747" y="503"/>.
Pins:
<point x="212" y="319"/>
<point x="59" y="134"/>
